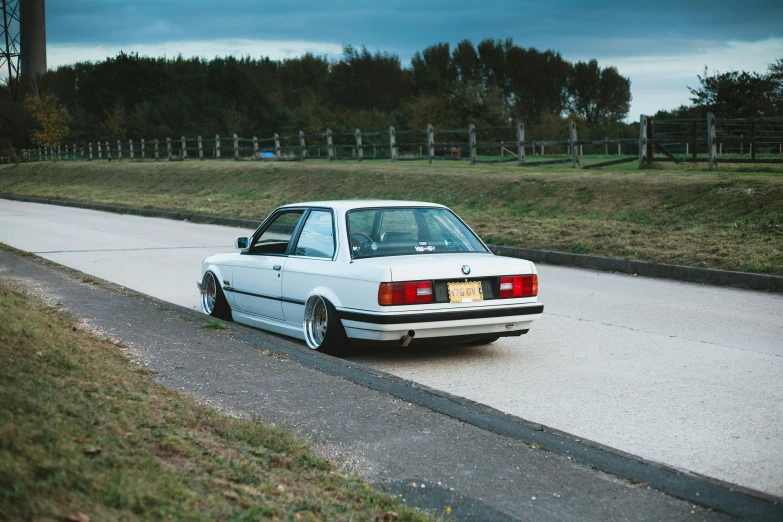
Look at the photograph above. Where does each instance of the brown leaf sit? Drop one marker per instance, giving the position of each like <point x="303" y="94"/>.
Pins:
<point x="77" y="517"/>
<point x="230" y="494"/>
<point x="93" y="451"/>
<point x="298" y="516"/>
<point x="390" y="515"/>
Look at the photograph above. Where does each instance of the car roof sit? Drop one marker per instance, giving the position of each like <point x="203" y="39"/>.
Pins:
<point x="345" y="205"/>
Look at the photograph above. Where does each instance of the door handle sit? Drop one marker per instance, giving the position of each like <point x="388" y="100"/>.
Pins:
<point x="276" y="267"/>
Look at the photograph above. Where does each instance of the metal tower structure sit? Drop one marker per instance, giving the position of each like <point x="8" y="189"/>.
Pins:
<point x="10" y="40"/>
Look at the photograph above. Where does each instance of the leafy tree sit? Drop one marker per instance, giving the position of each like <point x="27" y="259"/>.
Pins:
<point x="113" y="125"/>
<point x="52" y="117"/>
<point x="737" y="94"/>
<point x="598" y="94"/>
<point x="362" y="80"/>
<point x="432" y="70"/>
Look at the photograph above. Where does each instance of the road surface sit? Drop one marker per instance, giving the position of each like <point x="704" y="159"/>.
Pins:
<point x="685" y="374"/>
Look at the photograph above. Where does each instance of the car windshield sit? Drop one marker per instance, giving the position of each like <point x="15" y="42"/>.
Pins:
<point x="408" y="231"/>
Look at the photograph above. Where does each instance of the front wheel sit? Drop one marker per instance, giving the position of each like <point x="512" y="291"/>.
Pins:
<point x="213" y="300"/>
<point x="322" y="328"/>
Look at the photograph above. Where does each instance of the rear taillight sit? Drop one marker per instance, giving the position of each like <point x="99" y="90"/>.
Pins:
<point x="518" y="286"/>
<point x="410" y="292"/>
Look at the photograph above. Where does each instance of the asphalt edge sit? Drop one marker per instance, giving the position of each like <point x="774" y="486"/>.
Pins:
<point x="733" y="499"/>
<point x="749" y="280"/>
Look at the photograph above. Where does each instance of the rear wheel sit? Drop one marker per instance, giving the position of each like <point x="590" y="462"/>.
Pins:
<point x="213" y="300"/>
<point x="323" y="330"/>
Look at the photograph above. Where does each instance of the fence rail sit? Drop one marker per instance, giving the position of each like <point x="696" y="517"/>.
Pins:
<point x="710" y="141"/>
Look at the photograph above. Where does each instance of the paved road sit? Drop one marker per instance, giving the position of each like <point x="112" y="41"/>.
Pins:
<point x="685" y="374"/>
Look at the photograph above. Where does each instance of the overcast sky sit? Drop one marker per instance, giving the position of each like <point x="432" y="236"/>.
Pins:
<point x="661" y="45"/>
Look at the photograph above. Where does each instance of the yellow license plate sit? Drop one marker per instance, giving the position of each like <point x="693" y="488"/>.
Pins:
<point x="465" y="292"/>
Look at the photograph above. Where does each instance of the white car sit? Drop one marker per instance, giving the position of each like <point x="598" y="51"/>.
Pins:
<point x="336" y="273"/>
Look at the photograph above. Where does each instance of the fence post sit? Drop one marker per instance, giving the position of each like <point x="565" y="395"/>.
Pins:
<point x="236" y="147"/>
<point x="217" y="146"/>
<point x="100" y="152"/>
<point x="359" y="148"/>
<point x="392" y="144"/>
<point x="143" y="150"/>
<point x="572" y="139"/>
<point x="606" y="148"/>
<point x="642" y="140"/>
<point x="90" y="145"/>
<point x="472" y="143"/>
<point x="130" y="149"/>
<point x="650" y="140"/>
<point x="184" y="148"/>
<point x="753" y="139"/>
<point x="66" y="151"/>
<point x="255" y="148"/>
<point x="119" y="150"/>
<point x="302" y="144"/>
<point x="329" y="144"/>
<point x="520" y="143"/>
<point x="108" y="151"/>
<point x="168" y="148"/>
<point x="694" y="136"/>
<point x="619" y="150"/>
<point x="157" y="151"/>
<point x="711" y="135"/>
<point x="200" y="149"/>
<point x="431" y="143"/>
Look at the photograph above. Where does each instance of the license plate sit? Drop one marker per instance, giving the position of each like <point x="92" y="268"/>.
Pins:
<point x="465" y="292"/>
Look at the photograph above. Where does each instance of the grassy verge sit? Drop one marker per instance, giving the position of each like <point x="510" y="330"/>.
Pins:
<point x="728" y="219"/>
<point x="83" y="431"/>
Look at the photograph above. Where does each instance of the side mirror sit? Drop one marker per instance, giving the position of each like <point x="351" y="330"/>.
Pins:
<point x="240" y="243"/>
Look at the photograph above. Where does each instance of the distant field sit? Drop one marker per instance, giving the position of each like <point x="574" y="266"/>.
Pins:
<point x="730" y="219"/>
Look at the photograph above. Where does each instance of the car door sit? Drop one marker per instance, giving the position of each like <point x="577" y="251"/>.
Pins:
<point x="310" y="261"/>
<point x="257" y="284"/>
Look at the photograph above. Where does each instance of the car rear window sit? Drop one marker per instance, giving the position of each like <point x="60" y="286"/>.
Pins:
<point x="409" y="231"/>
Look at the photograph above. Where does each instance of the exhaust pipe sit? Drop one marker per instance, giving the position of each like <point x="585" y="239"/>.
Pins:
<point x="406" y="339"/>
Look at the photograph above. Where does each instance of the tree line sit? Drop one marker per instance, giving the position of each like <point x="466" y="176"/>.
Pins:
<point x="734" y="94"/>
<point x="490" y="84"/>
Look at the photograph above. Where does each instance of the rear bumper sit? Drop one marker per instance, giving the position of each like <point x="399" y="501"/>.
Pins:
<point x="495" y="320"/>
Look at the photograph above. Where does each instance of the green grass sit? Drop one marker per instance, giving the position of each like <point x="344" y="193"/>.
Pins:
<point x="729" y="219"/>
<point x="82" y="430"/>
<point x="214" y="325"/>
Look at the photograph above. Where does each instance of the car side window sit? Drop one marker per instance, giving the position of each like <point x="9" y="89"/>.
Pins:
<point x="276" y="236"/>
<point x="317" y="237"/>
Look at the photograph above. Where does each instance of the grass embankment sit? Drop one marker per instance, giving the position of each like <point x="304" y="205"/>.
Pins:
<point x="83" y="431"/>
<point x="728" y="219"/>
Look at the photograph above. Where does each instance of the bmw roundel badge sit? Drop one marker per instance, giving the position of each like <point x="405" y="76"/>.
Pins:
<point x="465" y="269"/>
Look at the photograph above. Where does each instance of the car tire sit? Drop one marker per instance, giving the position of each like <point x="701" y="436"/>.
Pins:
<point x="213" y="300"/>
<point x="484" y="340"/>
<point x="323" y="330"/>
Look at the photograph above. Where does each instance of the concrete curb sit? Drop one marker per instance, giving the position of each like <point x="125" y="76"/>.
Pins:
<point x="764" y="282"/>
<point x="690" y="274"/>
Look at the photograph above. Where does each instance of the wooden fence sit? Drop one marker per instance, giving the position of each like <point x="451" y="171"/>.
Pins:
<point x="702" y="141"/>
<point x="474" y="145"/>
<point x="711" y="140"/>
